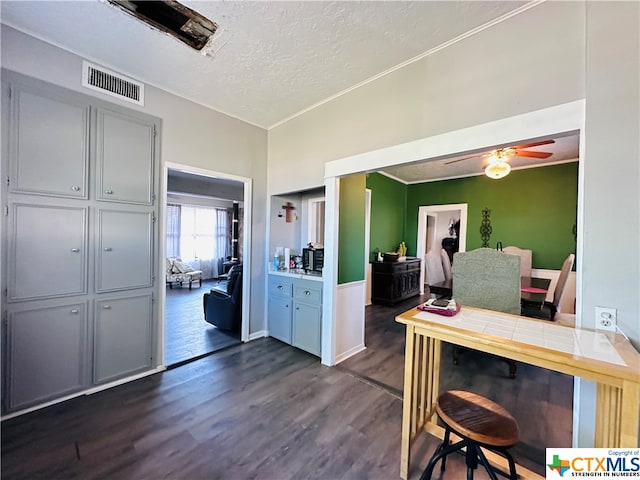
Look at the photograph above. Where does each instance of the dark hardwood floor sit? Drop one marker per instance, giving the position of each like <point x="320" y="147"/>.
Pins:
<point x="265" y="409"/>
<point x="187" y="335"/>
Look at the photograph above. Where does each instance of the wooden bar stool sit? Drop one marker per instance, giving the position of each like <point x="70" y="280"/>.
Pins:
<point x="480" y="423"/>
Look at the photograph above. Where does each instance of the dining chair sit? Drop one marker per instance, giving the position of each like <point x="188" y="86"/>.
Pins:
<point x="446" y="264"/>
<point x="525" y="258"/>
<point x="548" y="310"/>
<point x="487" y="278"/>
<point x="433" y="266"/>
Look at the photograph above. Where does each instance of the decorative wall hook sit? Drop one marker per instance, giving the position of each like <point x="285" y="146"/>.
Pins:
<point x="485" y="227"/>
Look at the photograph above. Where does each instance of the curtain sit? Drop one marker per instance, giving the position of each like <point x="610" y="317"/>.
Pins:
<point x="203" y="239"/>
<point x="173" y="230"/>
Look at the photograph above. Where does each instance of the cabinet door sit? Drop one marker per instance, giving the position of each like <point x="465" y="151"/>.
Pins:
<point x="122" y="337"/>
<point x="280" y="318"/>
<point x="125" y="156"/>
<point x="47" y="251"/>
<point x="306" y="327"/>
<point x="125" y="250"/>
<point x="46" y="353"/>
<point x="48" y="144"/>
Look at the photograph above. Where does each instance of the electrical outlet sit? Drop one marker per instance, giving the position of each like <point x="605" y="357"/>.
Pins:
<point x="606" y="318"/>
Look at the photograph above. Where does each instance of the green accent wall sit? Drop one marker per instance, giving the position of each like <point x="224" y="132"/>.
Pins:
<point x="388" y="213"/>
<point x="351" y="229"/>
<point x="533" y="208"/>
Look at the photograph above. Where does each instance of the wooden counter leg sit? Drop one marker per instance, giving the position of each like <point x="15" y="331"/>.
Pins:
<point x="630" y="415"/>
<point x="617" y="415"/>
<point x="406" y="402"/>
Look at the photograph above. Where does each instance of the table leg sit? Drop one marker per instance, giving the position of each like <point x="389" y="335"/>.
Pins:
<point x="407" y="402"/>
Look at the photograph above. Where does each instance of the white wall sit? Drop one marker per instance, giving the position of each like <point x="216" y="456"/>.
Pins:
<point x="191" y="135"/>
<point x="554" y="53"/>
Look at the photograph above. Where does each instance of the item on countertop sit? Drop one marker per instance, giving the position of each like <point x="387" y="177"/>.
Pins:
<point x="438" y="306"/>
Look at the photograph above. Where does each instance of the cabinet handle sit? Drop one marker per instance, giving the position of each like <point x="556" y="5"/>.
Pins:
<point x="297" y="308"/>
<point x="108" y="192"/>
<point x="106" y="307"/>
<point x="107" y="249"/>
<point x="307" y="292"/>
<point x="75" y="188"/>
<point x="279" y="287"/>
<point x="75" y="250"/>
<point x="75" y="310"/>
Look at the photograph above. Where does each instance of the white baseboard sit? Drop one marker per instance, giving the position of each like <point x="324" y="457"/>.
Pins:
<point x="342" y="357"/>
<point x="258" y="334"/>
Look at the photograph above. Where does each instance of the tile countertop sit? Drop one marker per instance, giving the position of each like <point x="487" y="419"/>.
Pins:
<point x="297" y="273"/>
<point x="580" y="342"/>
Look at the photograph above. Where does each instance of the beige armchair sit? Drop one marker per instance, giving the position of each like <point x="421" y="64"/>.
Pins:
<point x="179" y="272"/>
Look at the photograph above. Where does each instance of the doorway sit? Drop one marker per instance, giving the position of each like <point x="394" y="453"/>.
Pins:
<point x="217" y="208"/>
<point x="437" y="222"/>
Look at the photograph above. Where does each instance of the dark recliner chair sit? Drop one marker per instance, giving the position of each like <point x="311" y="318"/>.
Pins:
<point x="224" y="308"/>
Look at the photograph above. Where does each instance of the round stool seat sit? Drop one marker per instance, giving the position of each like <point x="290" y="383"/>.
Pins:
<point x="477" y="418"/>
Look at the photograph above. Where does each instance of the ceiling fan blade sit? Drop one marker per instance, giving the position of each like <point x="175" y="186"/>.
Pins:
<point x="535" y="144"/>
<point x="461" y="159"/>
<point x="526" y="153"/>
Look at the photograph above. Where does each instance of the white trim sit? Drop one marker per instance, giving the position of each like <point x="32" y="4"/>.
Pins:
<point x="539" y="123"/>
<point x="417" y="58"/>
<point x="90" y="391"/>
<point x="549" y="122"/>
<point x="423" y="212"/>
<point x="258" y="334"/>
<point x="246" y="242"/>
<point x="367" y="246"/>
<point x="330" y="272"/>
<point x="350" y="353"/>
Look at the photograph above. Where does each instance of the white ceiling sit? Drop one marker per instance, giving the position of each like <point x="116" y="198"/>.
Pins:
<point x="270" y="60"/>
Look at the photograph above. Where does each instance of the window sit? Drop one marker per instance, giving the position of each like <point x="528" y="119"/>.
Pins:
<point x="197" y="232"/>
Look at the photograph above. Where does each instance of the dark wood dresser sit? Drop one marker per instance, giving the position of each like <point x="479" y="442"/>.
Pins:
<point x="394" y="281"/>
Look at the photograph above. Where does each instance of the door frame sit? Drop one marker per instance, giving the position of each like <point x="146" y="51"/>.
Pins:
<point x="246" y="246"/>
<point x="423" y="212"/>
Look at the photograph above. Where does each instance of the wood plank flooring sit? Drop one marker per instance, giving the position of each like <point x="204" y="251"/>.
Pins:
<point x="187" y="335"/>
<point x="265" y="409"/>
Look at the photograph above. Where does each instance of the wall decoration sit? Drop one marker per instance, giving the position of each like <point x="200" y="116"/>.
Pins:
<point x="485" y="227"/>
<point x="288" y="207"/>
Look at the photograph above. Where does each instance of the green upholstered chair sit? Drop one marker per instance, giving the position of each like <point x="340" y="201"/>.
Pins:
<point x="487" y="278"/>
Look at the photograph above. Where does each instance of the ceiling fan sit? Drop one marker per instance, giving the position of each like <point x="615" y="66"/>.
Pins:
<point x="497" y="160"/>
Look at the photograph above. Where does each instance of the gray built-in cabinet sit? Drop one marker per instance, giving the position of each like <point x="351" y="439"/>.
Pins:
<point x="295" y="312"/>
<point x="81" y="239"/>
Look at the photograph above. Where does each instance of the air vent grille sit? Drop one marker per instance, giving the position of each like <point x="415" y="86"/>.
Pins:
<point x="112" y="83"/>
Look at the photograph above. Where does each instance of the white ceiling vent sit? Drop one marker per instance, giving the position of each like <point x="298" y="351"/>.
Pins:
<point x="112" y="83"/>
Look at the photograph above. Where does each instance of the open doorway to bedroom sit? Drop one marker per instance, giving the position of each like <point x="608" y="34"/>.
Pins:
<point x="204" y="246"/>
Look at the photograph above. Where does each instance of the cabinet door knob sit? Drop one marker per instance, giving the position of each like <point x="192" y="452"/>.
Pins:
<point x="75" y="250"/>
<point x="107" y="249"/>
<point x="307" y="292"/>
<point x="75" y="310"/>
<point x="106" y="307"/>
<point x="279" y="287"/>
<point x="297" y="308"/>
<point x="75" y="188"/>
<point x="108" y="192"/>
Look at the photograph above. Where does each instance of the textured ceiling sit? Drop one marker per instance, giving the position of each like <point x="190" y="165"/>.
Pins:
<point x="268" y="60"/>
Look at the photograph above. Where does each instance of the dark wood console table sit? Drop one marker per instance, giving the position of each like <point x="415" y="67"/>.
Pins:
<point x="395" y="281"/>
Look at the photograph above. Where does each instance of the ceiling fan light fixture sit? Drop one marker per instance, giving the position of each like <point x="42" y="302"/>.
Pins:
<point x="497" y="169"/>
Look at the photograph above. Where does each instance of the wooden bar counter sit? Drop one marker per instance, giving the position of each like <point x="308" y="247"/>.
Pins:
<point x="606" y="358"/>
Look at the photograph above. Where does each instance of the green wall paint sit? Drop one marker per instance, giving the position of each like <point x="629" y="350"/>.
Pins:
<point x="533" y="208"/>
<point x="351" y="229"/>
<point x="388" y="213"/>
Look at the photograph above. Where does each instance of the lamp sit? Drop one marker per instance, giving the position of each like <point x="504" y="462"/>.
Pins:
<point x="498" y="166"/>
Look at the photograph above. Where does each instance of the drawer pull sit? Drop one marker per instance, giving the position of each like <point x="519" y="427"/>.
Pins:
<point x="108" y="192"/>
<point x="75" y="310"/>
<point x="307" y="292"/>
<point x="107" y="249"/>
<point x="75" y="188"/>
<point x="106" y="307"/>
<point x="280" y="287"/>
<point x="75" y="250"/>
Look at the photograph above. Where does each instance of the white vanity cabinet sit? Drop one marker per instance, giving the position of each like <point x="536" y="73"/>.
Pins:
<point x="295" y="311"/>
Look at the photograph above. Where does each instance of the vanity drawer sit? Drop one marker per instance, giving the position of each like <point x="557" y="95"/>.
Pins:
<point x="307" y="292"/>
<point x="280" y="286"/>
